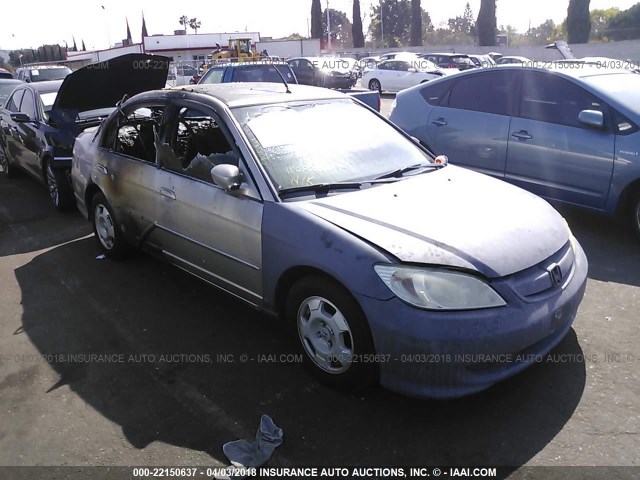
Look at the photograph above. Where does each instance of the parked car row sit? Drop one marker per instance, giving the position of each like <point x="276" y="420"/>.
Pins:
<point x="305" y="204"/>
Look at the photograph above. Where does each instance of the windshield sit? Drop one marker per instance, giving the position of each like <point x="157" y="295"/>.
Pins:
<point x="44" y="74"/>
<point x="623" y="87"/>
<point x="325" y="142"/>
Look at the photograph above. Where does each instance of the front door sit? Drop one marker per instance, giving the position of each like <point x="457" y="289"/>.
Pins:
<point x="210" y="232"/>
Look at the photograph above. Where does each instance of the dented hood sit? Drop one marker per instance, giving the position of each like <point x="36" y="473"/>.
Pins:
<point x="103" y="84"/>
<point x="452" y="217"/>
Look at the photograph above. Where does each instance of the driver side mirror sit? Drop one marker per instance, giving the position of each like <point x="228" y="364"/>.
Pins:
<point x="591" y="118"/>
<point x="227" y="176"/>
<point x="20" y="117"/>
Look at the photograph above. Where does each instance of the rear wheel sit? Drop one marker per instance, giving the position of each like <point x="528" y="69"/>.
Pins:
<point x="333" y="334"/>
<point x="110" y="239"/>
<point x="60" y="189"/>
<point x="375" y="85"/>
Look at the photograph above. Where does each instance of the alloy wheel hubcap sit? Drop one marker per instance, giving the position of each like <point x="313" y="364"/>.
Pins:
<point x="104" y="227"/>
<point x="53" y="187"/>
<point x="325" y="335"/>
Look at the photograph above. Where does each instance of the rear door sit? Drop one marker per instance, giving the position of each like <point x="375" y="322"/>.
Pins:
<point x="304" y="71"/>
<point x="471" y="125"/>
<point x="551" y="153"/>
<point x="126" y="170"/>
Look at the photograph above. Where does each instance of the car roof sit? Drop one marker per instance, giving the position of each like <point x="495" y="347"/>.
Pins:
<point x="447" y="54"/>
<point x="252" y="93"/>
<point x="10" y="80"/>
<point x="40" y="67"/>
<point x="249" y="64"/>
<point x="584" y="71"/>
<point x="46" y="86"/>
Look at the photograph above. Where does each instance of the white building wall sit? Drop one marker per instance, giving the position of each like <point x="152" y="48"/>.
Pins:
<point x="309" y="47"/>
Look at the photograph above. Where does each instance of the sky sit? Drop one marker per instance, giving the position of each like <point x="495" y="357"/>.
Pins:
<point x="103" y="22"/>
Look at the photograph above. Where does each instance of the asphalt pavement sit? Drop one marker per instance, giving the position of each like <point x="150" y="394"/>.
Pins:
<point x="137" y="363"/>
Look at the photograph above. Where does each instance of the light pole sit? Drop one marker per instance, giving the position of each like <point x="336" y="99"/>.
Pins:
<point x="381" y="23"/>
<point x="328" y="28"/>
<point x="106" y="25"/>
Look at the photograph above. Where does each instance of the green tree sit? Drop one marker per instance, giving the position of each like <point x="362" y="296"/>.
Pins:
<point x="578" y="21"/>
<point x="356" y="28"/>
<point x="486" y="24"/>
<point x="396" y="20"/>
<point x="600" y="19"/>
<point x="543" y="34"/>
<point x="340" y="27"/>
<point x="316" y="19"/>
<point x="625" y="25"/>
<point x="415" y="36"/>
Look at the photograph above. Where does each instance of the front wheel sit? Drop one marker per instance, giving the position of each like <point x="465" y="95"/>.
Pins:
<point x="110" y="239"/>
<point x="7" y="169"/>
<point x="635" y="215"/>
<point x="333" y="334"/>
<point x="60" y="189"/>
<point x="375" y="85"/>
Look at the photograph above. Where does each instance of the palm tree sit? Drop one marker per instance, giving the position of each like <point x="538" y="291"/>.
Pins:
<point x="184" y="21"/>
<point x="194" y="24"/>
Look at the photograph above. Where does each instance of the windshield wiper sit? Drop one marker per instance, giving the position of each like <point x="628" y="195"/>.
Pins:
<point x="327" y="187"/>
<point x="401" y="171"/>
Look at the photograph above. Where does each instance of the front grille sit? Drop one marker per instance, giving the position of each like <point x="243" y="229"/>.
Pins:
<point x="534" y="282"/>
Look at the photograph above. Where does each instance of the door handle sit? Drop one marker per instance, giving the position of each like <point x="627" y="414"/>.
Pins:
<point x="102" y="169"/>
<point x="165" y="192"/>
<point x="522" y="135"/>
<point x="440" y="122"/>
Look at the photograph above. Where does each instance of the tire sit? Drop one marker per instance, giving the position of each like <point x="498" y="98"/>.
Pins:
<point x="60" y="189"/>
<point x="374" y="84"/>
<point x="108" y="235"/>
<point x="8" y="170"/>
<point x="329" y="327"/>
<point x="634" y="215"/>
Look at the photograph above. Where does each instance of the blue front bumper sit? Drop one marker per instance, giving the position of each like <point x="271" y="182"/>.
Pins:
<point x="451" y="354"/>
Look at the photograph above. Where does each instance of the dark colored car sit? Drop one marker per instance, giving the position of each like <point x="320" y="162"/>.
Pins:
<point x="249" y="72"/>
<point x="42" y="73"/>
<point x="323" y="72"/>
<point x="6" y="87"/>
<point x="5" y="74"/>
<point x="450" y="60"/>
<point x="40" y="120"/>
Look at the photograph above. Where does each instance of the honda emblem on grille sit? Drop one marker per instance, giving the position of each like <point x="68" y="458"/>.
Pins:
<point x="555" y="274"/>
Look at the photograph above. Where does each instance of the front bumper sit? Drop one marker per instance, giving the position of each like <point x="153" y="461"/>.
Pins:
<point x="451" y="354"/>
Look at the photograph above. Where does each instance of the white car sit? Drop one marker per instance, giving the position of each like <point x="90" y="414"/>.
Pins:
<point x="396" y="75"/>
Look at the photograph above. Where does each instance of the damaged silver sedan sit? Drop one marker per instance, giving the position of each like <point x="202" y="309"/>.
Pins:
<point x="387" y="264"/>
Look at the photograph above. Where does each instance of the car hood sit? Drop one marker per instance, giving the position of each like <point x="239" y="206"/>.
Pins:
<point x="103" y="84"/>
<point x="452" y="217"/>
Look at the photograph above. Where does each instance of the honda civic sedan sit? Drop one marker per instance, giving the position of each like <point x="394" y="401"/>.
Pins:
<point x="385" y="263"/>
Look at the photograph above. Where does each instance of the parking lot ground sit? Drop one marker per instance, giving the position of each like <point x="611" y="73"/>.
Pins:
<point x="168" y="383"/>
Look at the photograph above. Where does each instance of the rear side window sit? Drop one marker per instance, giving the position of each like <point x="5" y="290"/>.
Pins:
<point x="552" y="99"/>
<point x="434" y="93"/>
<point x="214" y="75"/>
<point x="487" y="92"/>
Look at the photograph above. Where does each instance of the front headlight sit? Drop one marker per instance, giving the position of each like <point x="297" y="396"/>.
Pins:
<point x="437" y="289"/>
